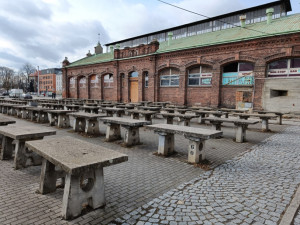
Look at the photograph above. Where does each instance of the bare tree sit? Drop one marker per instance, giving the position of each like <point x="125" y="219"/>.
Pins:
<point x="7" y="77"/>
<point x="27" y="69"/>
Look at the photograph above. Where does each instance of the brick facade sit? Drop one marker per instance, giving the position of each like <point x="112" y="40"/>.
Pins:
<point x="143" y="58"/>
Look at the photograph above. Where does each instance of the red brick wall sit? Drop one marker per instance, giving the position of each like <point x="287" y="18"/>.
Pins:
<point x="199" y="95"/>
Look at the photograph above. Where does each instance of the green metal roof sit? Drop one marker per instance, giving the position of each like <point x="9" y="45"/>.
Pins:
<point x="281" y="26"/>
<point x="284" y="25"/>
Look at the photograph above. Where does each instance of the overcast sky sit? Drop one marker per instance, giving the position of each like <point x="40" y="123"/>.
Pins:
<point x="43" y="32"/>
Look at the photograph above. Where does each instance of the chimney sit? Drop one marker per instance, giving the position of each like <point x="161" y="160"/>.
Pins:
<point x="89" y="54"/>
<point x="170" y="36"/>
<point x="243" y="20"/>
<point x="269" y="12"/>
<point x="98" y="49"/>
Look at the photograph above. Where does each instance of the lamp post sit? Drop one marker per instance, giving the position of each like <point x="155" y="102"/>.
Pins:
<point x="38" y="94"/>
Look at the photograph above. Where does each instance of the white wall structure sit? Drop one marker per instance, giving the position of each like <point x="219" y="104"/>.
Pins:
<point x="59" y="83"/>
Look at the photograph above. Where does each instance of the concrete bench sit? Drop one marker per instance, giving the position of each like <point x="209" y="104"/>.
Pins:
<point x="86" y="122"/>
<point x="5" y="121"/>
<point x="17" y="135"/>
<point x="81" y="166"/>
<point x="5" y="108"/>
<point x="90" y="109"/>
<point x="53" y="106"/>
<point x="59" y="118"/>
<point x="131" y="126"/>
<point x="202" y="114"/>
<point x="36" y="114"/>
<point x="241" y="126"/>
<point x="117" y="112"/>
<point x="72" y="107"/>
<point x="278" y="114"/>
<point x="184" y="119"/>
<point x="18" y="110"/>
<point x="150" y="108"/>
<point x="135" y="114"/>
<point x="264" y="119"/>
<point x="196" y="137"/>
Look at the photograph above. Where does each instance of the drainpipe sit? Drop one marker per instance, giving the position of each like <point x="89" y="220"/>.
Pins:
<point x="269" y="12"/>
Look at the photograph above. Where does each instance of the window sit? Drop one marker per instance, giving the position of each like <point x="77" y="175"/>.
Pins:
<point x="278" y="93"/>
<point x="200" y="76"/>
<point x="239" y="73"/>
<point x="146" y="79"/>
<point x="284" y="68"/>
<point x="108" y="81"/>
<point x="94" y="81"/>
<point x="169" y="77"/>
<point x="82" y="82"/>
<point x="134" y="74"/>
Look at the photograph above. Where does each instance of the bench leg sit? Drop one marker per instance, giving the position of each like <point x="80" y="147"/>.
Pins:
<point x="24" y="157"/>
<point x="184" y="122"/>
<point x="216" y="126"/>
<point x="265" y="124"/>
<point x="42" y="117"/>
<point x="148" y="118"/>
<point x="7" y="148"/>
<point x="113" y="132"/>
<point x="240" y="134"/>
<point x="196" y="150"/>
<point x="24" y="114"/>
<point x="92" y="127"/>
<point x="79" y="124"/>
<point x="86" y="188"/>
<point x="200" y="119"/>
<point x="165" y="144"/>
<point x="51" y="119"/>
<point x="279" y="119"/>
<point x="63" y="121"/>
<point x="168" y="120"/>
<point x="135" y="116"/>
<point x="132" y="136"/>
<point x="48" y="177"/>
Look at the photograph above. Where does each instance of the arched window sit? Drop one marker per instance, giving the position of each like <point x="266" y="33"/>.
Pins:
<point x="200" y="76"/>
<point x="169" y="77"/>
<point x="82" y="82"/>
<point x="134" y="74"/>
<point x="238" y="73"/>
<point x="146" y="78"/>
<point x="284" y="68"/>
<point x="108" y="81"/>
<point x="71" y="82"/>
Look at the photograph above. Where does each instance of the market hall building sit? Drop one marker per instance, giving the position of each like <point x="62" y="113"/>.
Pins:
<point x="248" y="58"/>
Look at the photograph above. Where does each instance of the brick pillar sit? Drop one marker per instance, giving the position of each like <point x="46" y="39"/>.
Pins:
<point x="76" y="87"/>
<point x="259" y="81"/>
<point x="87" y="87"/>
<point x="183" y="88"/>
<point x="65" y="83"/>
<point x="216" y="86"/>
<point x="140" y="86"/>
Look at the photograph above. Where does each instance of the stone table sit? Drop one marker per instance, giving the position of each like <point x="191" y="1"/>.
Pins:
<point x="59" y="118"/>
<point x="131" y="126"/>
<point x="184" y="119"/>
<point x="82" y="166"/>
<point x="196" y="137"/>
<point x="18" y="135"/>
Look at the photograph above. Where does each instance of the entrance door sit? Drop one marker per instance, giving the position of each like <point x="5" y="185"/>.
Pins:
<point x="134" y="89"/>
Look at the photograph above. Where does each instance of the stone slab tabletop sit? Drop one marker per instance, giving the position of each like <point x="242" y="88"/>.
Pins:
<point x="150" y="108"/>
<point x="7" y="104"/>
<point x="59" y="111"/>
<point x="178" y="115"/>
<point x="37" y="109"/>
<point x="177" y="106"/>
<point x="22" y="132"/>
<point x="125" y="121"/>
<point x="239" y="121"/>
<point x="266" y="112"/>
<point x="75" y="156"/>
<point x="86" y="115"/>
<point x="211" y="112"/>
<point x="22" y="106"/>
<point x="201" y="108"/>
<point x="142" y="112"/>
<point x="262" y="116"/>
<point x="89" y="107"/>
<point x="4" y="121"/>
<point x="125" y="106"/>
<point x="113" y="109"/>
<point x="190" y="131"/>
<point x="233" y="110"/>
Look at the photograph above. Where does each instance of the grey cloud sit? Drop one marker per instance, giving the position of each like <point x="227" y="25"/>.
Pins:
<point x="17" y="61"/>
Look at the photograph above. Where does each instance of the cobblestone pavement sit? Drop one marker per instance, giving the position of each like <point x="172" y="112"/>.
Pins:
<point x="128" y="186"/>
<point x="255" y="188"/>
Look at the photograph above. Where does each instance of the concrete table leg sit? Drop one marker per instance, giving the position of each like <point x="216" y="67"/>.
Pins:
<point x="279" y="119"/>
<point x="51" y="119"/>
<point x="240" y="133"/>
<point x="113" y="132"/>
<point x="92" y="127"/>
<point x="25" y="157"/>
<point x="184" y="122"/>
<point x="168" y="120"/>
<point x="32" y="115"/>
<point x="132" y="135"/>
<point x="165" y="143"/>
<point x="216" y="126"/>
<point x="265" y="124"/>
<point x="79" y="124"/>
<point x="196" y="150"/>
<point x="43" y="117"/>
<point x="80" y="189"/>
<point x="7" y="148"/>
<point x="48" y="177"/>
<point x="200" y="119"/>
<point x="148" y="118"/>
<point x="135" y="116"/>
<point x="25" y="114"/>
<point x="63" y="121"/>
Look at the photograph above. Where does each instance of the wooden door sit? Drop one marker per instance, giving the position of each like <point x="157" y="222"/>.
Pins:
<point x="134" y="90"/>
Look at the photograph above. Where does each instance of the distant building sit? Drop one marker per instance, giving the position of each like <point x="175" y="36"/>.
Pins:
<point x="47" y="80"/>
<point x="34" y="79"/>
